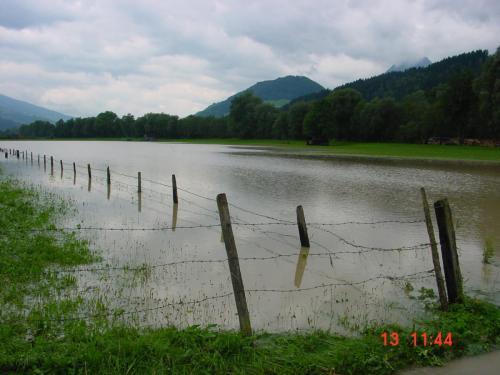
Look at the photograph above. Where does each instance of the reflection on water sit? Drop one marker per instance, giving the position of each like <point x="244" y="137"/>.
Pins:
<point x="322" y="287"/>
<point x="301" y="265"/>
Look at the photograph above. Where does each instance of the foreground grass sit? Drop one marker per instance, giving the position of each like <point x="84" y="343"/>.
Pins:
<point x="42" y="340"/>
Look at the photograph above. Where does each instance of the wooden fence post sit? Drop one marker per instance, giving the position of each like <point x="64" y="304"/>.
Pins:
<point x="52" y="165"/>
<point x="6" y="155"/>
<point x="44" y="163"/>
<point x="301" y="223"/>
<point x="17" y="153"/>
<point x="449" y="253"/>
<point x="31" y="158"/>
<point x="90" y="173"/>
<point x="74" y="171"/>
<point x="234" y="266"/>
<point x="174" y="189"/>
<point x="434" y="251"/>
<point x="61" y="167"/>
<point x="139" y="183"/>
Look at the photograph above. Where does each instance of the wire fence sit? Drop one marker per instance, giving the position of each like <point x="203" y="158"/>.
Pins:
<point x="259" y="226"/>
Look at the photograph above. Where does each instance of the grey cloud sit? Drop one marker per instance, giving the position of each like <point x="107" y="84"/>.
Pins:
<point x="179" y="56"/>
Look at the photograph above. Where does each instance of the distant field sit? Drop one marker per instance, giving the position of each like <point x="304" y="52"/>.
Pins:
<point x="369" y="149"/>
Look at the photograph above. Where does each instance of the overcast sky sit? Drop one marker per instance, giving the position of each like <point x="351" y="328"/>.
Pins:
<point x="85" y="57"/>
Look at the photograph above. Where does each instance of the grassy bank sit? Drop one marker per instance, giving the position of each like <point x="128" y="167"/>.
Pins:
<point x="406" y="150"/>
<point x="41" y="332"/>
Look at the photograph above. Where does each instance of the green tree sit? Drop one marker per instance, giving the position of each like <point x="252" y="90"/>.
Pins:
<point x="243" y="115"/>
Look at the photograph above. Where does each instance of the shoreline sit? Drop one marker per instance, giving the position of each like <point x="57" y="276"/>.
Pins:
<point x="367" y="152"/>
<point x="400" y="160"/>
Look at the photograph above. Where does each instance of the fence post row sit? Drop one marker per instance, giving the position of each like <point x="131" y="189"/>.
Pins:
<point x="434" y="251"/>
<point x="449" y="251"/>
<point x="174" y="189"/>
<point x="234" y="266"/>
<point x="139" y="183"/>
<point x="301" y="223"/>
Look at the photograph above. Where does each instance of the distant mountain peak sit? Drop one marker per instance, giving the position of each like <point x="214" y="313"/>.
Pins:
<point x="405" y="65"/>
<point x="277" y="92"/>
<point x="14" y="112"/>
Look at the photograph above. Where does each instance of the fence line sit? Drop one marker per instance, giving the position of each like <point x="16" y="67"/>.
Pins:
<point x="119" y="312"/>
<point x="446" y="231"/>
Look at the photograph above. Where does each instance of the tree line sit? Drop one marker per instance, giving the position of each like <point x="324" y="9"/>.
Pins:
<point x="465" y="105"/>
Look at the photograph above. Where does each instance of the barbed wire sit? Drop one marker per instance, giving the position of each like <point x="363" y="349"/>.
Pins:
<point x="205" y="261"/>
<point x="251" y="211"/>
<point x="118" y="312"/>
<point x="402" y="277"/>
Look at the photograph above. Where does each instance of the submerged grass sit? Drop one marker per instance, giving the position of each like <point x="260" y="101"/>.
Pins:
<point x="40" y="334"/>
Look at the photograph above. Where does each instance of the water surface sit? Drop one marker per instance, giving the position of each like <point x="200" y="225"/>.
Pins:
<point x="336" y="284"/>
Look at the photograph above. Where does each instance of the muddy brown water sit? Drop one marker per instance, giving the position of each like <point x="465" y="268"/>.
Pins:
<point x="333" y="285"/>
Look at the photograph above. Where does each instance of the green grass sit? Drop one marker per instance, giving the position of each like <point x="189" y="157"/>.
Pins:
<point x="405" y="150"/>
<point x="37" y="341"/>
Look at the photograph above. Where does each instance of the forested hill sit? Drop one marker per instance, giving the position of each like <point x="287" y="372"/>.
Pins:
<point x="15" y="112"/>
<point x="399" y="84"/>
<point x="277" y="92"/>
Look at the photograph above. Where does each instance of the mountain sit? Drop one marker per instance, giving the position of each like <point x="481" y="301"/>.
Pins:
<point x="14" y="113"/>
<point x="422" y="63"/>
<point x="277" y="92"/>
<point x="399" y="84"/>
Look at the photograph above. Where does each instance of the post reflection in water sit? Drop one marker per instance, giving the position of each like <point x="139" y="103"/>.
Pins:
<point x="89" y="185"/>
<point x="174" y="216"/>
<point x="301" y="265"/>
<point x="109" y="191"/>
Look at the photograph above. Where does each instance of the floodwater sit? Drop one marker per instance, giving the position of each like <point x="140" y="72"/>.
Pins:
<point x="359" y="214"/>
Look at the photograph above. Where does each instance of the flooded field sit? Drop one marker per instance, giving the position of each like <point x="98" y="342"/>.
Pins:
<point x="166" y="264"/>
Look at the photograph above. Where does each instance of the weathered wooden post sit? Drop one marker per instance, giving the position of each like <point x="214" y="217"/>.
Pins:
<point x="90" y="173"/>
<point x="301" y="223"/>
<point x="44" y="163"/>
<point x="434" y="251"/>
<point x="174" y="190"/>
<point x="234" y="266"/>
<point x="38" y="160"/>
<point x="74" y="171"/>
<point x="139" y="183"/>
<point x="31" y="158"/>
<point x="108" y="176"/>
<point x="51" y="165"/>
<point x="6" y="155"/>
<point x="449" y="253"/>
<point x="17" y="151"/>
<point x="61" y="167"/>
